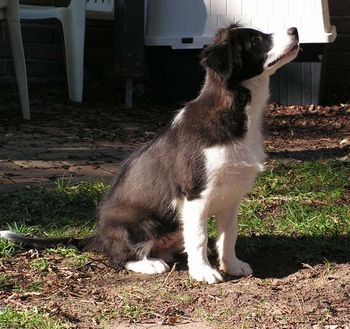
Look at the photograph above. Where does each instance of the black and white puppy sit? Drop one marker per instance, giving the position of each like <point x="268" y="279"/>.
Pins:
<point x="201" y="166"/>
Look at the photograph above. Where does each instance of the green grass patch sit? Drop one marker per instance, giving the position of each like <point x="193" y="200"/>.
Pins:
<point x="294" y="199"/>
<point x="30" y="319"/>
<point x="76" y="259"/>
<point x="128" y="308"/>
<point x="308" y="198"/>
<point x="7" y="248"/>
<point x="65" y="206"/>
<point x="298" y="199"/>
<point x="6" y="281"/>
<point x="39" y="264"/>
<point x="297" y="210"/>
<point x="66" y="210"/>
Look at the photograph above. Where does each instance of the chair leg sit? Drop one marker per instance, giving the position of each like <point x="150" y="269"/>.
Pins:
<point x="74" y="38"/>
<point x="15" y="35"/>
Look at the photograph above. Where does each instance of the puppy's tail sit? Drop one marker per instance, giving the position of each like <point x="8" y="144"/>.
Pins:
<point x="42" y="243"/>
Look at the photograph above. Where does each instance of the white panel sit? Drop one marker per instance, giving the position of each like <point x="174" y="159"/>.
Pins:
<point x="162" y="9"/>
<point x="293" y="21"/>
<point x="225" y="20"/>
<point x="308" y="7"/>
<point x="315" y="81"/>
<point x="218" y="8"/>
<point x="207" y="4"/>
<point x="170" y="12"/>
<point x="249" y="7"/>
<point x="177" y="26"/>
<point x="194" y="26"/>
<point x="318" y="7"/>
<point x="151" y="8"/>
<point x="211" y="26"/>
<point x="161" y="27"/>
<point x="294" y="85"/>
<point x="150" y="28"/>
<point x="260" y="23"/>
<point x="280" y="8"/>
<point x="265" y="8"/>
<point x="311" y="17"/>
<point x="196" y="8"/>
<point x="311" y="29"/>
<point x="234" y="7"/>
<point x="175" y="11"/>
<point x="244" y="20"/>
<point x="276" y="24"/>
<point x="296" y="7"/>
<point x="306" y="89"/>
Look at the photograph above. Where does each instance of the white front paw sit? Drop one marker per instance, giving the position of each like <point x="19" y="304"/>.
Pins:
<point x="147" y="266"/>
<point x="237" y="268"/>
<point x="205" y="273"/>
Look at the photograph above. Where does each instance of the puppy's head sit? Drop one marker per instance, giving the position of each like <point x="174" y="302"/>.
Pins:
<point x="285" y="48"/>
<point x="238" y="54"/>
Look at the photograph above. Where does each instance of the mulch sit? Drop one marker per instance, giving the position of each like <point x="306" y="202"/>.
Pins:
<point x="89" y="141"/>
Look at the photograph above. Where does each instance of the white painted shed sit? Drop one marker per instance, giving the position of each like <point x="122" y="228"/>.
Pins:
<point x="191" y="24"/>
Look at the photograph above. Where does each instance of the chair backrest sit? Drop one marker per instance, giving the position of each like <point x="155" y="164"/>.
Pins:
<point x="12" y="9"/>
<point x="100" y="9"/>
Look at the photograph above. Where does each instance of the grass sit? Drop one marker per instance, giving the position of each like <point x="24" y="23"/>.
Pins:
<point x="66" y="210"/>
<point x="131" y="309"/>
<point x="30" y="319"/>
<point x="299" y="199"/>
<point x="76" y="259"/>
<point x="292" y="199"/>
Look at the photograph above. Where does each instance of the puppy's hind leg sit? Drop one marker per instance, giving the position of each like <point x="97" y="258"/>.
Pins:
<point x="147" y="265"/>
<point x="125" y="234"/>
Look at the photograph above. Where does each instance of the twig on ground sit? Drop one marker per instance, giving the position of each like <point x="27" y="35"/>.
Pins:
<point x="167" y="277"/>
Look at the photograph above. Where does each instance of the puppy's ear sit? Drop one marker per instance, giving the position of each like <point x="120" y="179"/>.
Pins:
<point x="217" y="57"/>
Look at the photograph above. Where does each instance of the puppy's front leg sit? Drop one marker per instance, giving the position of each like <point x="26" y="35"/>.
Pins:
<point x="227" y="229"/>
<point x="195" y="224"/>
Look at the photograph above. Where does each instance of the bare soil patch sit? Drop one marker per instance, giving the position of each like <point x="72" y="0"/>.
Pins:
<point x="89" y="141"/>
<point x="308" y="132"/>
<point x="97" y="296"/>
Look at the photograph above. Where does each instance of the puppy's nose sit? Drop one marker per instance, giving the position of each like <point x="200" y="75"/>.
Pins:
<point x="293" y="31"/>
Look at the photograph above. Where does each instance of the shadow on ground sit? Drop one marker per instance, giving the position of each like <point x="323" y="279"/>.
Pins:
<point x="307" y="155"/>
<point x="279" y="256"/>
<point x="276" y="257"/>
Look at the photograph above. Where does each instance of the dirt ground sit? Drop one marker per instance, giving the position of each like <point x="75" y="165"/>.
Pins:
<point x="88" y="142"/>
<point x="94" y="295"/>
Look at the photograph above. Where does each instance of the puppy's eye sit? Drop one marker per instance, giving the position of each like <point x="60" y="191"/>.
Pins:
<point x="255" y="40"/>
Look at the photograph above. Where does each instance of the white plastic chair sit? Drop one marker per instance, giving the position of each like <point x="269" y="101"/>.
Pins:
<point x="10" y="11"/>
<point x="72" y="19"/>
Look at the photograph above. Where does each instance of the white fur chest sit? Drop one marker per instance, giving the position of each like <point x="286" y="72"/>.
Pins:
<point x="231" y="172"/>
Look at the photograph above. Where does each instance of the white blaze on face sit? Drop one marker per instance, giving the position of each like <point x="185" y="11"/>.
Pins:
<point x="284" y="49"/>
